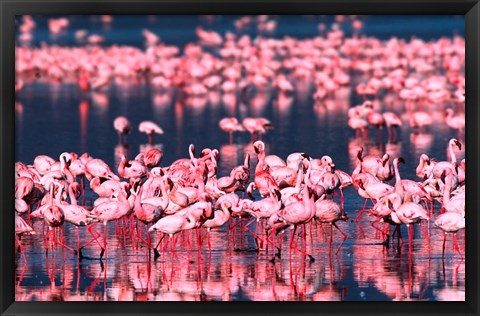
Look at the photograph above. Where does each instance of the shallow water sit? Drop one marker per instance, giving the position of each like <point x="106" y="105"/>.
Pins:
<point x="52" y="118"/>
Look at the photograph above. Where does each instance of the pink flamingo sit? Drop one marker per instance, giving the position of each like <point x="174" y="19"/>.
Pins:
<point x="131" y="169"/>
<point x="54" y="217"/>
<point x="153" y="157"/>
<point x="369" y="164"/>
<point x="391" y="121"/>
<point x="455" y="121"/>
<point x="23" y="187"/>
<point x="208" y="38"/>
<point x="123" y="127"/>
<point x="410" y="213"/>
<point x="76" y="215"/>
<point x="407" y="188"/>
<point x="450" y="222"/>
<point x="173" y="224"/>
<point x="440" y="166"/>
<point x="256" y="125"/>
<point x="230" y="125"/>
<point x="424" y="168"/>
<point x="110" y="211"/>
<point x="263" y="181"/>
<point x="147" y="212"/>
<point x="327" y="211"/>
<point x="98" y="168"/>
<point x="43" y="164"/>
<point x="298" y="213"/>
<point x="360" y="125"/>
<point x="420" y="119"/>
<point x="238" y="178"/>
<point x="220" y="218"/>
<point x="21" y="228"/>
<point x="150" y="128"/>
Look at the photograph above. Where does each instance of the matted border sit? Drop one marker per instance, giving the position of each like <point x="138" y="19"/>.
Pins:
<point x="10" y="8"/>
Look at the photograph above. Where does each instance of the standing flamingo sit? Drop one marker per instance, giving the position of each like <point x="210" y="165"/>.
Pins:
<point x="110" y="211"/>
<point x="123" y="127"/>
<point x="230" y="125"/>
<point x="150" y="128"/>
<point x="450" y="222"/>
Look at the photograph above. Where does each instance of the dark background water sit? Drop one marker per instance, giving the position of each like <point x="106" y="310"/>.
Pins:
<point x="53" y="118"/>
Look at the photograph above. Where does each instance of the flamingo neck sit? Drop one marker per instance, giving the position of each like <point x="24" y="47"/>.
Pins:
<point x="73" y="200"/>
<point x="452" y="152"/>
<point x="261" y="162"/>
<point x="165" y="196"/>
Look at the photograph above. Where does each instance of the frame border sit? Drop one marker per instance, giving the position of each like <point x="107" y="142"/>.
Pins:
<point x="10" y="8"/>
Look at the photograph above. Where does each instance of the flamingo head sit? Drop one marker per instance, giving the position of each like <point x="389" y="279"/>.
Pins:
<point x="368" y="104"/>
<point x="306" y="156"/>
<point x="459" y="144"/>
<point x="277" y="194"/>
<point x="259" y="146"/>
<point x="385" y="159"/>
<point x="425" y="158"/>
<point x="360" y="183"/>
<point x="332" y="168"/>
<point x="76" y="189"/>
<point x="326" y="160"/>
<point x="359" y="151"/>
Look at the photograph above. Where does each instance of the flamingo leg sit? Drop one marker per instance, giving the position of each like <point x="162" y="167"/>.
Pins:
<point x="455" y="242"/>
<point x="344" y="237"/>
<point x="95" y="238"/>
<point x="443" y="246"/>
<point x="55" y="241"/>
<point x="104" y="249"/>
<point x="361" y="211"/>
<point x="208" y="239"/>
<point x="22" y="250"/>
<point x="155" y="251"/>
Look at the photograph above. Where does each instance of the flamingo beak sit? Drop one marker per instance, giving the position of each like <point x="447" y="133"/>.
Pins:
<point x="459" y="145"/>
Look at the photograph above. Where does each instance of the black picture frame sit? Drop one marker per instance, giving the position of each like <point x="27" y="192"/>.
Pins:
<point x="10" y="8"/>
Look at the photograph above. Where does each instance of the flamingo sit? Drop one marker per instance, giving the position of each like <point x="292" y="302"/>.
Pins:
<point x="110" y="211"/>
<point x="420" y="119"/>
<point x="455" y="121"/>
<point x="230" y="125"/>
<point x="98" y="168"/>
<point x="131" y="169"/>
<point x="76" y="215"/>
<point x="43" y="164"/>
<point x="298" y="213"/>
<point x="238" y="178"/>
<point x="450" y="222"/>
<point x="369" y="164"/>
<point x="150" y="128"/>
<point x="440" y="166"/>
<point x="21" y="228"/>
<point x="263" y="181"/>
<point x="256" y="125"/>
<point x="220" y="217"/>
<point x="123" y="127"/>
<point x="391" y="121"/>
<point x="153" y="157"/>
<point x="327" y="211"/>
<point x="147" y="212"/>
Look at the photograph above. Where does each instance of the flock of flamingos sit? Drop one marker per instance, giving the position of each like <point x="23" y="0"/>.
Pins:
<point x="156" y="203"/>
<point x="188" y="194"/>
